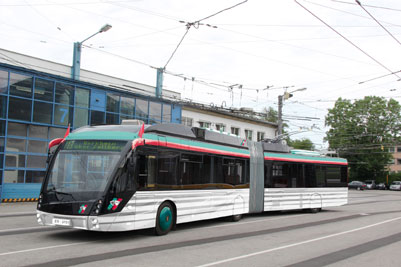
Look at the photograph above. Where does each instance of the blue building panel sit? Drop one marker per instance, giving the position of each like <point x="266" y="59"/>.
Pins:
<point x="176" y="112"/>
<point x="98" y="100"/>
<point x="20" y="190"/>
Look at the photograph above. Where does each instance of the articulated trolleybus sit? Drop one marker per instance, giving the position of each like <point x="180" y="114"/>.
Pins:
<point x="126" y="177"/>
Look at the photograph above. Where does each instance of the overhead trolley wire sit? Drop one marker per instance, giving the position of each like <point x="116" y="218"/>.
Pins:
<point x="381" y="25"/>
<point x="196" y="24"/>
<point x="345" y="38"/>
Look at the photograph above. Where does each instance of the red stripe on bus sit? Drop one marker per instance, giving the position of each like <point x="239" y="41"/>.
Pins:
<point x="141" y="142"/>
<point x="188" y="147"/>
<point x="306" y="161"/>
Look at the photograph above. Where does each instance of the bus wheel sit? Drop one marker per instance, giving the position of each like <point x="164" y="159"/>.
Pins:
<point x="165" y="219"/>
<point x="236" y="218"/>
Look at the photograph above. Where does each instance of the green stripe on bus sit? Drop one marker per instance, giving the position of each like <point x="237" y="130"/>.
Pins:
<point x="102" y="135"/>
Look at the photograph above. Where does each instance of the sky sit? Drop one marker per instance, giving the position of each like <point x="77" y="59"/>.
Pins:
<point x="244" y="56"/>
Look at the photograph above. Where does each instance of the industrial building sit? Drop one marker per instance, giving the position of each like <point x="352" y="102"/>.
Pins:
<point x="39" y="99"/>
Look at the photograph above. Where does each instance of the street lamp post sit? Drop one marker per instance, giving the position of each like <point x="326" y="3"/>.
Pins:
<point x="76" y="62"/>
<point x="281" y="99"/>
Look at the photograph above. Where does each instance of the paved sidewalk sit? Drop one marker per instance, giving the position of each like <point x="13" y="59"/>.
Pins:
<point x="17" y="207"/>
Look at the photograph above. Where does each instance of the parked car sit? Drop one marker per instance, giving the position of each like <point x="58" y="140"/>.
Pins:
<point x="358" y="185"/>
<point x="396" y="185"/>
<point x="370" y="184"/>
<point x="381" y="186"/>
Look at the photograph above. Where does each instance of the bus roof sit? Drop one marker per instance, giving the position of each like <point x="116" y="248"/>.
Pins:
<point x="276" y="151"/>
<point x="105" y="132"/>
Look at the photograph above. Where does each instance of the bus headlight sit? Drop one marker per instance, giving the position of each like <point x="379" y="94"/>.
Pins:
<point x="95" y="223"/>
<point x="98" y="207"/>
<point x="38" y="218"/>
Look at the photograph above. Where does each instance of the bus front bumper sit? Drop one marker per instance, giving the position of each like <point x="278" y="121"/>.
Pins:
<point x="93" y="223"/>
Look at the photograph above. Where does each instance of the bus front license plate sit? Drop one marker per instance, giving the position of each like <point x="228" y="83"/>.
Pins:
<point x="63" y="222"/>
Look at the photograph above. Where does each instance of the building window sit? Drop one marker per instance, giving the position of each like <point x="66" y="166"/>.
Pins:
<point x="261" y="136"/>
<point x="391" y="149"/>
<point x="42" y="112"/>
<point x="235" y="130"/>
<point x="155" y="112"/>
<point x="20" y="85"/>
<point x="3" y="82"/>
<point x="38" y="132"/>
<point x="187" y="121"/>
<point x="56" y="132"/>
<point x="62" y="115"/>
<point x="44" y="89"/>
<point x="112" y="118"/>
<point x="398" y="148"/>
<point x="82" y="97"/>
<point x="141" y="109"/>
<point x="64" y="93"/>
<point x="127" y="105"/>
<point x="220" y="127"/>
<point x="97" y="117"/>
<point x="398" y="161"/>
<point x="24" y="110"/>
<point x="166" y="113"/>
<point x="3" y="106"/>
<point x="248" y="134"/>
<point x="113" y="103"/>
<point x="17" y="129"/>
<point x="204" y="124"/>
<point x="80" y="117"/>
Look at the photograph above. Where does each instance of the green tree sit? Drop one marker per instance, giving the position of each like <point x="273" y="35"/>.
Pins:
<point x="362" y="131"/>
<point x="303" y="143"/>
<point x="271" y="115"/>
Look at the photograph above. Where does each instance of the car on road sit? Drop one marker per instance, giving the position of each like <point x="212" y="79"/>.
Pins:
<point x="396" y="185"/>
<point x="381" y="186"/>
<point x="358" y="185"/>
<point x="370" y="184"/>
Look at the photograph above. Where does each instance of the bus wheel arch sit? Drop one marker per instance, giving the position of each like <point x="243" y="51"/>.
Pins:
<point x="165" y="218"/>
<point x="315" y="203"/>
<point x="239" y="204"/>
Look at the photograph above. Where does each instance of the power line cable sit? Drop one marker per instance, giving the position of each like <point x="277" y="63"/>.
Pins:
<point x="345" y="38"/>
<point x="349" y="13"/>
<point x="381" y="25"/>
<point x="196" y="24"/>
<point x="379" y="7"/>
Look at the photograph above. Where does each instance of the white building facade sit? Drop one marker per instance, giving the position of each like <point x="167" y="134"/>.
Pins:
<point x="229" y="121"/>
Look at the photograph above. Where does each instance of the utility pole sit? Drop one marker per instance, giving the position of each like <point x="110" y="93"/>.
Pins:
<point x="76" y="61"/>
<point x="159" y="82"/>
<point x="281" y="99"/>
<point x="280" y="115"/>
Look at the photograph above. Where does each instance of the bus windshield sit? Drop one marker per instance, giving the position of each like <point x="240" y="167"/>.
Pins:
<point x="82" y="169"/>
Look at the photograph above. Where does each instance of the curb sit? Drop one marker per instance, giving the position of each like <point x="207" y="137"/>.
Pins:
<point x="9" y="200"/>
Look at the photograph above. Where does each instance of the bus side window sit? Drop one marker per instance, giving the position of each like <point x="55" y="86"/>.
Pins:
<point x="142" y="171"/>
<point x="146" y="171"/>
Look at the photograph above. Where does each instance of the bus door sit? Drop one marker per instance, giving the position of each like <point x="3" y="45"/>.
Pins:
<point x="194" y="180"/>
<point x="146" y="183"/>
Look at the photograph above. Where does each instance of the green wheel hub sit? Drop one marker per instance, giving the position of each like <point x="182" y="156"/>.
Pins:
<point x="165" y="218"/>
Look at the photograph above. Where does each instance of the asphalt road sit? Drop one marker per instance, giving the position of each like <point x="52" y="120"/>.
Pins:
<point x="366" y="232"/>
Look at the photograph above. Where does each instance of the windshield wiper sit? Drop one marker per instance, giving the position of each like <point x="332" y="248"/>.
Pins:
<point x="61" y="193"/>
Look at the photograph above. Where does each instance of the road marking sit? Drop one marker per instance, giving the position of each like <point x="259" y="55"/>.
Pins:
<point x="297" y="244"/>
<point x="44" y="248"/>
<point x="22" y="229"/>
<point x="254" y="221"/>
<point x="11" y="214"/>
